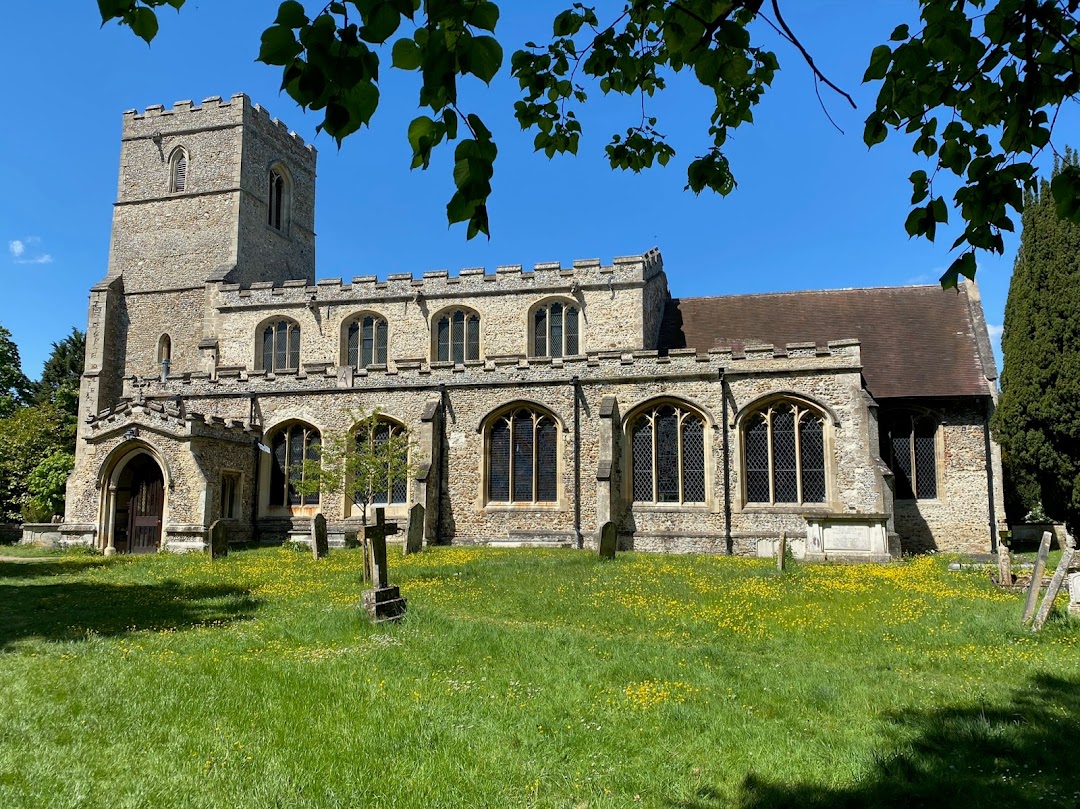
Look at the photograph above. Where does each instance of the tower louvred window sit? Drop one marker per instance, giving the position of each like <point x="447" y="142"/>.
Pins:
<point x="522" y="457"/>
<point x="178" y="171"/>
<point x="667" y="448"/>
<point x="784" y="455"/>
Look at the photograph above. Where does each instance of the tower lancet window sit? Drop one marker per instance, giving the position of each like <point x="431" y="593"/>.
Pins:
<point x="178" y="170"/>
<point x="278" y="202"/>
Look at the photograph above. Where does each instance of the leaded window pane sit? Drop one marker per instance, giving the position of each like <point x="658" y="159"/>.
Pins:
<point x="443" y="339"/>
<point x="380" y="341"/>
<point x="540" y="333"/>
<point x="354" y="344"/>
<point x="785" y="468"/>
<point x="294" y="348"/>
<point x="547" y="466"/>
<point x="312" y="452"/>
<point x="556" y="330"/>
<point x="642" y="449"/>
<point x="523" y="456"/>
<point x="296" y="463"/>
<point x="693" y="460"/>
<point x="925" y="459"/>
<point x="901" y="463"/>
<point x="457" y="336"/>
<point x="757" y="460"/>
<point x="571" y="331"/>
<point x="667" y="455"/>
<point x="278" y="467"/>
<point x="812" y="445"/>
<point x="268" y="349"/>
<point x="380" y="484"/>
<point x="367" y="345"/>
<point x="281" y="346"/>
<point x="473" y="337"/>
<point x="499" y="460"/>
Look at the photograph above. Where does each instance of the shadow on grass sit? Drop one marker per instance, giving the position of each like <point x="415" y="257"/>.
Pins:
<point x="1016" y="754"/>
<point x="77" y="610"/>
<point x="33" y="567"/>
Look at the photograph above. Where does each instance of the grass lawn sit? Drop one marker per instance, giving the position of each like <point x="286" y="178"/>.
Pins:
<point x="528" y="678"/>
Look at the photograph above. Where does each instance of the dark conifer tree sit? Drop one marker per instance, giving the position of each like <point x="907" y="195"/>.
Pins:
<point x="1037" y="421"/>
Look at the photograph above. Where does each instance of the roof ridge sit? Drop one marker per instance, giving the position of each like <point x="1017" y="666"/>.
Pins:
<point x="803" y="292"/>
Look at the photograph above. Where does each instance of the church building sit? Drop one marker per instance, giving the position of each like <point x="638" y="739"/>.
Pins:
<point x="540" y="403"/>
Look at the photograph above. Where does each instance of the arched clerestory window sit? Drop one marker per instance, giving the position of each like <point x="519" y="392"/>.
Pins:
<point x="366" y="341"/>
<point x="555" y="330"/>
<point x="384" y="445"/>
<point x="522" y="457"/>
<point x="667" y="448"/>
<point x="178" y="170"/>
<point x="457" y="336"/>
<point x="277" y="205"/>
<point x="784" y="454"/>
<point x="290" y="447"/>
<point x="909" y="447"/>
<point x="279" y="347"/>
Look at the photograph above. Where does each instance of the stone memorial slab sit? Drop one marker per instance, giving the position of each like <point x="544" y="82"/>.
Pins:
<point x="609" y="540"/>
<point x="414" y="534"/>
<point x="219" y="539"/>
<point x="319" y="545"/>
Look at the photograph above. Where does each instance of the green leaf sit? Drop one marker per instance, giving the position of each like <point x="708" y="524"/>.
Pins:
<point x="484" y="15"/>
<point x="964" y="265"/>
<point x="482" y="57"/>
<point x="406" y="54"/>
<point x="900" y="33"/>
<point x="143" y="22"/>
<point x="279" y="46"/>
<point x="291" y="15"/>
<point x="880" y="58"/>
<point x="380" y="23"/>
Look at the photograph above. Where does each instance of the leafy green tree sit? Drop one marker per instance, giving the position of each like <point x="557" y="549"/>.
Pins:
<point x="30" y="436"/>
<point x="1037" y="421"/>
<point x="978" y="86"/>
<point x="62" y="373"/>
<point x="45" y="486"/>
<point x="14" y="386"/>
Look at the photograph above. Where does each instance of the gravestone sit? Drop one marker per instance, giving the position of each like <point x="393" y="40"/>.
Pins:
<point x="219" y="539"/>
<point x="781" y="551"/>
<point x="1054" y="588"/>
<point x="609" y="539"/>
<point x="414" y="534"/>
<point x="1036" y="578"/>
<point x="319" y="545"/>
<point x="1005" y="576"/>
<point x="382" y="602"/>
<point x="1074" y="594"/>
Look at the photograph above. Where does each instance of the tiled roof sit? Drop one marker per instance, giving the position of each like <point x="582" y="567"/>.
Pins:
<point x="916" y="341"/>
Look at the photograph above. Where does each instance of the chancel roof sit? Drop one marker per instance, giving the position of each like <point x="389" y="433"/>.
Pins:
<point x="916" y="340"/>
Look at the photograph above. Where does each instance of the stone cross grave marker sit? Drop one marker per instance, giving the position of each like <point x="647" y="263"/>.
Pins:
<point x="1036" y="578"/>
<point x="382" y="602"/>
<point x="319" y="545"/>
<point x="414" y="534"/>
<point x="219" y="539"/>
<point x="609" y="539"/>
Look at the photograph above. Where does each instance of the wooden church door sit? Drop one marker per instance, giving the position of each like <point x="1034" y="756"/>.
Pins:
<point x="147" y="506"/>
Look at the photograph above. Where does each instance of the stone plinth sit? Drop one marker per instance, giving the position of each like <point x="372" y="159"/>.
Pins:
<point x="383" y="604"/>
<point x="852" y="537"/>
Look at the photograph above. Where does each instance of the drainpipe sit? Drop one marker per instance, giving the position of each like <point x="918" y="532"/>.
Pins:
<point x="576" y="387"/>
<point x="727" y="466"/>
<point x="254" y="477"/>
<point x="438" y="463"/>
<point x="989" y="449"/>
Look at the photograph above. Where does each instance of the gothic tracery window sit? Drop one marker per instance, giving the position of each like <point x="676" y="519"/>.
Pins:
<point x="280" y="346"/>
<point x="388" y="488"/>
<point x="555" y="330"/>
<point x="784" y="454"/>
<point x="366" y="340"/>
<point x="522" y="457"/>
<point x="290" y="447"/>
<point x="667" y="447"/>
<point x="909" y="447"/>
<point x="457" y="336"/>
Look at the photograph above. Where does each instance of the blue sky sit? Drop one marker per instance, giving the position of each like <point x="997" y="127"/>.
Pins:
<point x="814" y="207"/>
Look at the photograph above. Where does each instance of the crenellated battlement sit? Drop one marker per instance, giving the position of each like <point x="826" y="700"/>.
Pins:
<point x="548" y="277"/>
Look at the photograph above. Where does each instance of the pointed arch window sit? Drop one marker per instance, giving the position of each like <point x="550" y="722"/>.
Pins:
<point x="178" y="170"/>
<point x="280" y="346"/>
<point x="278" y="203"/>
<point x="392" y="486"/>
<point x="366" y="341"/>
<point x="457" y="336"/>
<point x="667" y="447"/>
<point x="556" y="330"/>
<point x="522" y="462"/>
<point x="784" y="455"/>
<point x="290" y="447"/>
<point x="909" y="448"/>
<point x="164" y="352"/>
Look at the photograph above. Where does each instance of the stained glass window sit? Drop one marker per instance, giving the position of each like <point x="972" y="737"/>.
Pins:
<point x="523" y="457"/>
<point x="667" y="448"/>
<point x="784" y="455"/>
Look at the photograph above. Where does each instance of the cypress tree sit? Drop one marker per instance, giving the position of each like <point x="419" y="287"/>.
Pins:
<point x="1037" y="421"/>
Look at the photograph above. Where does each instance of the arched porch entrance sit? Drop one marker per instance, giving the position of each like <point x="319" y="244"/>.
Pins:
<point x="136" y="507"/>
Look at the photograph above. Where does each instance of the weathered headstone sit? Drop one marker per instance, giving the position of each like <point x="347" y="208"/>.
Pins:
<point x="1005" y="578"/>
<point x="1054" y="588"/>
<point x="1074" y="594"/>
<point x="382" y="602"/>
<point x="319" y="545"/>
<point x="781" y="551"/>
<point x="1036" y="578"/>
<point x="609" y="540"/>
<point x="219" y="539"/>
<point x="414" y="534"/>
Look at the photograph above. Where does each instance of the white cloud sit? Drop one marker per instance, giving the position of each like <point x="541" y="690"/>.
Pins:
<point x="995" y="331"/>
<point x="18" y="250"/>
